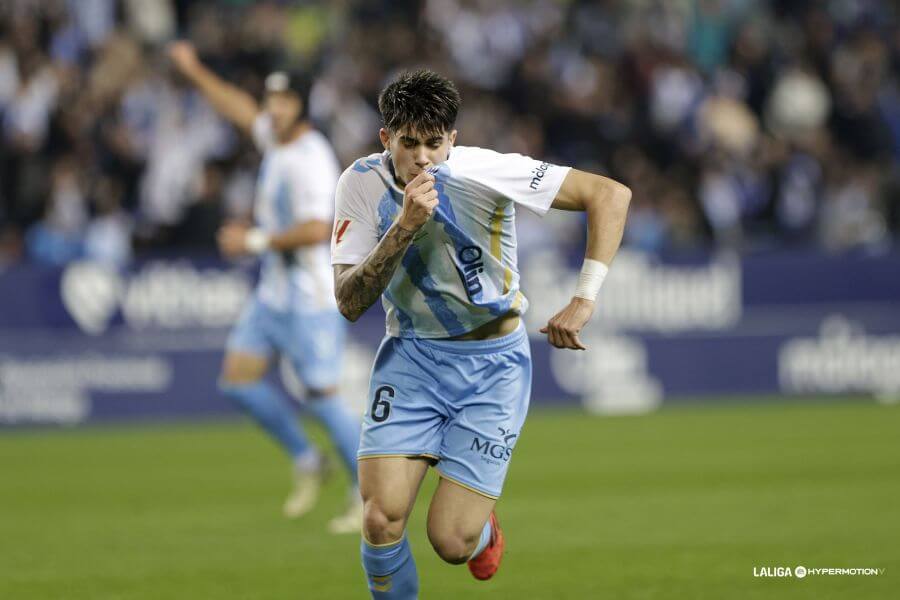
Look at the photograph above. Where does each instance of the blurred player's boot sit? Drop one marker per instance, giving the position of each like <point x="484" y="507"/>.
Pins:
<point x="351" y="520"/>
<point x="487" y="561"/>
<point x="308" y="478"/>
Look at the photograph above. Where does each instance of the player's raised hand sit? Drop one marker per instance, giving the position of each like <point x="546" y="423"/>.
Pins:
<point x="184" y="56"/>
<point x="419" y="201"/>
<point x="563" y="329"/>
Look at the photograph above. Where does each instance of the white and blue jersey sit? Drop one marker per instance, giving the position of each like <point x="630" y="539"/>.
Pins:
<point x="460" y="270"/>
<point x="296" y="185"/>
<point x="293" y="310"/>
<point x="461" y="404"/>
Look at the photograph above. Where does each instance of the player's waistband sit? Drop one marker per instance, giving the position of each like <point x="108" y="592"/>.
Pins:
<point x="500" y="344"/>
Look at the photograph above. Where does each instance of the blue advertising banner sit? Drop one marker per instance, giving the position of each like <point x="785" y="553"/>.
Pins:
<point x="86" y="343"/>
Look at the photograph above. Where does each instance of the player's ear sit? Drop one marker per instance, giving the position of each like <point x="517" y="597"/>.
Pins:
<point x="385" y="138"/>
<point x="452" y="137"/>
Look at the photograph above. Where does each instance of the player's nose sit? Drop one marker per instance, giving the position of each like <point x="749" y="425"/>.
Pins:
<point x="422" y="160"/>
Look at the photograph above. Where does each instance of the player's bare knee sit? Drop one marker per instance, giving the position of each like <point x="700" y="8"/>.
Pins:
<point x="381" y="524"/>
<point x="453" y="547"/>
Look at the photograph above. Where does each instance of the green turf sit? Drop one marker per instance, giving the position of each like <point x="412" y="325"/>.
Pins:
<point x="680" y="504"/>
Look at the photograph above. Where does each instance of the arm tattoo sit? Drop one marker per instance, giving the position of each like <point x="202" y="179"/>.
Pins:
<point x="358" y="287"/>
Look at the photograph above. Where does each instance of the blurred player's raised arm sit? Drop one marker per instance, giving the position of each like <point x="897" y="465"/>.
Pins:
<point x="605" y="202"/>
<point x="231" y="102"/>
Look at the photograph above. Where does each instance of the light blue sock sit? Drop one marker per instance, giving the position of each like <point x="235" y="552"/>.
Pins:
<point x="390" y="571"/>
<point x="484" y="540"/>
<point x="342" y="426"/>
<point x="270" y="409"/>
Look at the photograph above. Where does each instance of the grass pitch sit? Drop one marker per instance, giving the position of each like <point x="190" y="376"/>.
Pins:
<point x="680" y="504"/>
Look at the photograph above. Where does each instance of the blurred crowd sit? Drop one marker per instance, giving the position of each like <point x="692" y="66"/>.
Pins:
<point x="738" y="124"/>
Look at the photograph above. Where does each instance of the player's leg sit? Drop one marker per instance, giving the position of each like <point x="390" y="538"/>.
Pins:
<point x="458" y="522"/>
<point x="343" y="428"/>
<point x="389" y="486"/>
<point x="402" y="420"/>
<point x="314" y="344"/>
<point x="243" y="381"/>
<point x="489" y="384"/>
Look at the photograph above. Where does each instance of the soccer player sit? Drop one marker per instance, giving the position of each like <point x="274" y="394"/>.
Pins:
<point x="429" y="227"/>
<point x="293" y="310"/>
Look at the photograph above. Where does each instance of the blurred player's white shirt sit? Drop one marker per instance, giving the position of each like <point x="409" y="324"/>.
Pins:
<point x="296" y="185"/>
<point x="460" y="271"/>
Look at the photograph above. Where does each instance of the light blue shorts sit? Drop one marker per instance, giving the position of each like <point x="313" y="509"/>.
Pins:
<point x="460" y="403"/>
<point x="313" y="342"/>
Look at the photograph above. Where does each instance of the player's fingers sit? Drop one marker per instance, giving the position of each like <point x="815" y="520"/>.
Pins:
<point x="421" y="182"/>
<point x="418" y="180"/>
<point x="576" y="340"/>
<point x="566" y="337"/>
<point x="572" y="337"/>
<point x="543" y="329"/>
<point x="553" y="336"/>
<point x="423" y="189"/>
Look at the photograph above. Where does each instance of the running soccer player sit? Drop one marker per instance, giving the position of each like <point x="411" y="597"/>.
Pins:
<point x="293" y="310"/>
<point x="429" y="227"/>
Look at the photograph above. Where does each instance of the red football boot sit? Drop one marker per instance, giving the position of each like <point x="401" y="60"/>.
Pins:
<point x="486" y="564"/>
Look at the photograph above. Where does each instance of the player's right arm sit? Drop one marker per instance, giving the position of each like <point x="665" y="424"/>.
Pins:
<point x="605" y="203"/>
<point x="358" y="286"/>
<point x="231" y="102"/>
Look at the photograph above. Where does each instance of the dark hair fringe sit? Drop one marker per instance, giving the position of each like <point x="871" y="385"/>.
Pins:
<point x="421" y="100"/>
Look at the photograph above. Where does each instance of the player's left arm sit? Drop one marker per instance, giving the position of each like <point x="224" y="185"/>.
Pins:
<point x="238" y="239"/>
<point x="605" y="202"/>
<point x="310" y="187"/>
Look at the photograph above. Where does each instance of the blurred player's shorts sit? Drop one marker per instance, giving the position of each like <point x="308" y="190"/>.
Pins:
<point x="312" y="341"/>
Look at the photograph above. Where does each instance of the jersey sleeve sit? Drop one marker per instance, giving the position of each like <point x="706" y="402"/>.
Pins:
<point x="355" y="231"/>
<point x="263" y="132"/>
<point x="524" y="180"/>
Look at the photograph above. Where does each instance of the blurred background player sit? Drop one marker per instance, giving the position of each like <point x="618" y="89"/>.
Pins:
<point x="432" y="227"/>
<point x="293" y="311"/>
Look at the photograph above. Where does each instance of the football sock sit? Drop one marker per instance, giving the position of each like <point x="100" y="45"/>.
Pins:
<point x="390" y="570"/>
<point x="483" y="541"/>
<point x="273" y="413"/>
<point x="342" y="426"/>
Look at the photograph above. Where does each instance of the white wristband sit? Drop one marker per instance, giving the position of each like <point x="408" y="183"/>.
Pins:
<point x="256" y="241"/>
<point x="593" y="272"/>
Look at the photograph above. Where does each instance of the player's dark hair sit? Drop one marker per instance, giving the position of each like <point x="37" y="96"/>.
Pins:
<point x="293" y="82"/>
<point x="420" y="100"/>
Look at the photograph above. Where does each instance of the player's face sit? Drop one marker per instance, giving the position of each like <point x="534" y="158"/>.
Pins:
<point x="284" y="107"/>
<point x="412" y="152"/>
